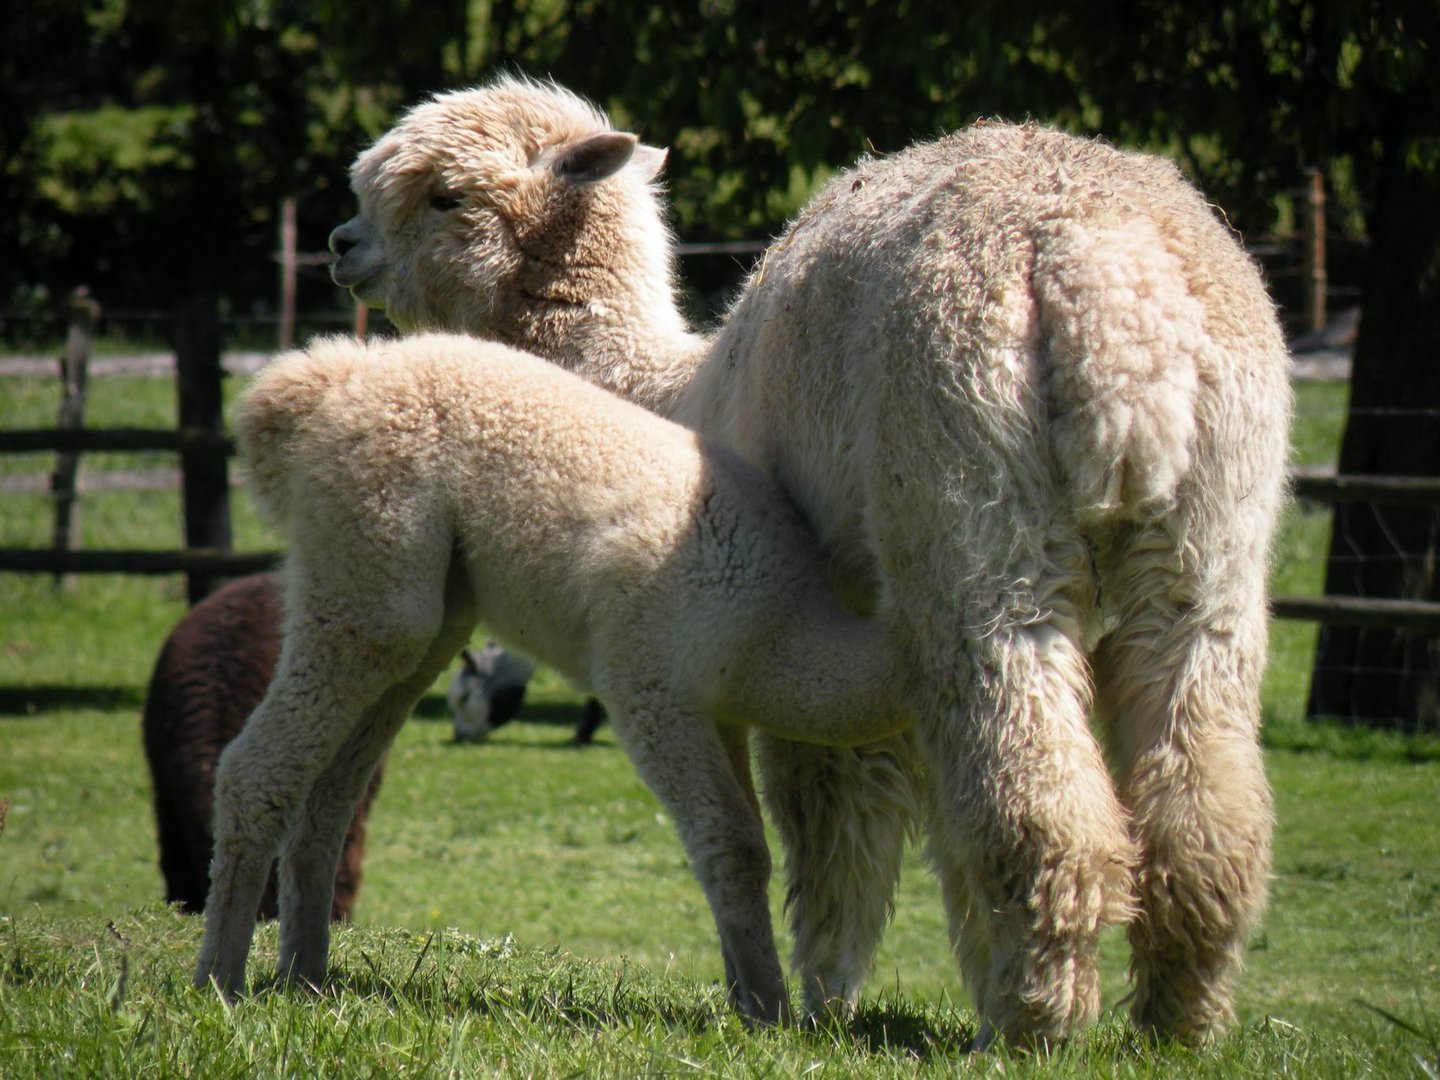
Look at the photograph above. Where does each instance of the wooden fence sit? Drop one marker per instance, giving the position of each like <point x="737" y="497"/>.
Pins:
<point x="200" y="440"/>
<point x="204" y="448"/>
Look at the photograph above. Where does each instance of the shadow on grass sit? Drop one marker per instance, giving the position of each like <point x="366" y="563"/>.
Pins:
<point x="1348" y="742"/>
<point x="543" y="1001"/>
<point x="595" y="1000"/>
<point x="18" y="701"/>
<point x="566" y="716"/>
<point x="25" y="701"/>
<point x="557" y="714"/>
<point x="893" y="1026"/>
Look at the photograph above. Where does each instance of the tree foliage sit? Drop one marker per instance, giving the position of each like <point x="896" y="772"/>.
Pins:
<point x="146" y="143"/>
<point x="1248" y="94"/>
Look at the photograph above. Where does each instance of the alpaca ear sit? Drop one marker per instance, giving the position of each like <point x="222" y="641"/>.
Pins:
<point x="649" y="160"/>
<point x="593" y="158"/>
<point x="470" y="661"/>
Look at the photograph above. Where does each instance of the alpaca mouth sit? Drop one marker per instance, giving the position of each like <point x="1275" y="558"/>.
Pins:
<point x="365" y="287"/>
<point x="346" y="278"/>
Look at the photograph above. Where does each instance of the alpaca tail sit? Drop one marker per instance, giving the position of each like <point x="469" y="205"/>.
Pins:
<point x="1126" y="335"/>
<point x="274" y="413"/>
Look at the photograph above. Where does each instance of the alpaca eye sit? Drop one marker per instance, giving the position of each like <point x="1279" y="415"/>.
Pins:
<point x="444" y="203"/>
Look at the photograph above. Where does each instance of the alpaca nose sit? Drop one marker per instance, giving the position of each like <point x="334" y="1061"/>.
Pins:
<point x="344" y="238"/>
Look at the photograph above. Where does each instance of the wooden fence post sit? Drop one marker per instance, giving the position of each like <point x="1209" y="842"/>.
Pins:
<point x="288" y="273"/>
<point x="1316" y="281"/>
<point x="205" y="482"/>
<point x="83" y="315"/>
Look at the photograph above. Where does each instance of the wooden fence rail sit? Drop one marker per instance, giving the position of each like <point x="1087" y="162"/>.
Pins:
<point x="1389" y="490"/>
<point x="1365" y="612"/>
<point x="1413" y="616"/>
<point x="204" y="449"/>
<point x="201" y="562"/>
<point x="78" y="440"/>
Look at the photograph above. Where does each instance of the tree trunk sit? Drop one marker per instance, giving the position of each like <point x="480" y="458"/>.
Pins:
<point x="1377" y="677"/>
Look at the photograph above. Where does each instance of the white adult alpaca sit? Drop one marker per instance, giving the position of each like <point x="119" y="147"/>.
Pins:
<point x="1032" y="397"/>
<point x="428" y="483"/>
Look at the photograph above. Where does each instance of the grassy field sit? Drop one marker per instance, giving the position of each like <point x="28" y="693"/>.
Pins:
<point x="527" y="908"/>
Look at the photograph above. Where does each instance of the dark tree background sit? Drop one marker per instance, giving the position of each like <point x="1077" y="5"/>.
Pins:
<point x="145" y="147"/>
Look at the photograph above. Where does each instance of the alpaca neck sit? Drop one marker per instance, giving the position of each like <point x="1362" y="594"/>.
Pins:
<point x="626" y="336"/>
<point x="650" y="363"/>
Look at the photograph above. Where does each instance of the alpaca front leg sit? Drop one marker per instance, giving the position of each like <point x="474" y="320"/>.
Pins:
<point x="688" y="767"/>
<point x="843" y="817"/>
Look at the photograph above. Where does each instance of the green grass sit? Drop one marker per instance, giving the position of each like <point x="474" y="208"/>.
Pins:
<point x="527" y="908"/>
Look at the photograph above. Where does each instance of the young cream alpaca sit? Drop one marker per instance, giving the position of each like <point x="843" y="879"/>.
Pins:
<point x="1032" y="397"/>
<point x="428" y="483"/>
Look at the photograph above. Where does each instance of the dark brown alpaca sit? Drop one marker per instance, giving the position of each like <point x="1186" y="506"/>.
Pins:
<point x="211" y="673"/>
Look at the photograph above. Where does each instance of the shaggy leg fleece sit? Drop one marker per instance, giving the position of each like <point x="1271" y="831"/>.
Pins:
<point x="689" y="769"/>
<point x="1027" y="837"/>
<point x="843" y="817"/>
<point x="314" y="842"/>
<point x="1179" y="682"/>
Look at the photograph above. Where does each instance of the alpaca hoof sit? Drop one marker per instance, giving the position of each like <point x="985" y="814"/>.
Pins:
<point x="821" y="1012"/>
<point x="230" y="990"/>
<point x="765" y="1016"/>
<point x="984" y="1038"/>
<point x="759" y="1009"/>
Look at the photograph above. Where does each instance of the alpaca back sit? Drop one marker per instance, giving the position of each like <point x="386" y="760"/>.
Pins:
<point x="556" y="489"/>
<point x="1070" y="320"/>
<point x="485" y="429"/>
<point x="279" y="402"/>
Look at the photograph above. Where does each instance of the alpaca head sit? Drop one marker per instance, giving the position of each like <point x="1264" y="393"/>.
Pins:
<point x="482" y="208"/>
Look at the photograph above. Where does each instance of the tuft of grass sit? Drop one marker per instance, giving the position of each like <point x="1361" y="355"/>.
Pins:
<point x="86" y="996"/>
<point x="1428" y="1036"/>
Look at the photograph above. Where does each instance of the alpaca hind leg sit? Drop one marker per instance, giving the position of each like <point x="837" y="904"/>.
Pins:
<point x="1027" y="836"/>
<point x="311" y="854"/>
<point x="255" y="798"/>
<point x="330" y="670"/>
<point x="688" y="766"/>
<point x="736" y="741"/>
<point x="843" y="816"/>
<point x="260" y="785"/>
<point x="1179" y="687"/>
